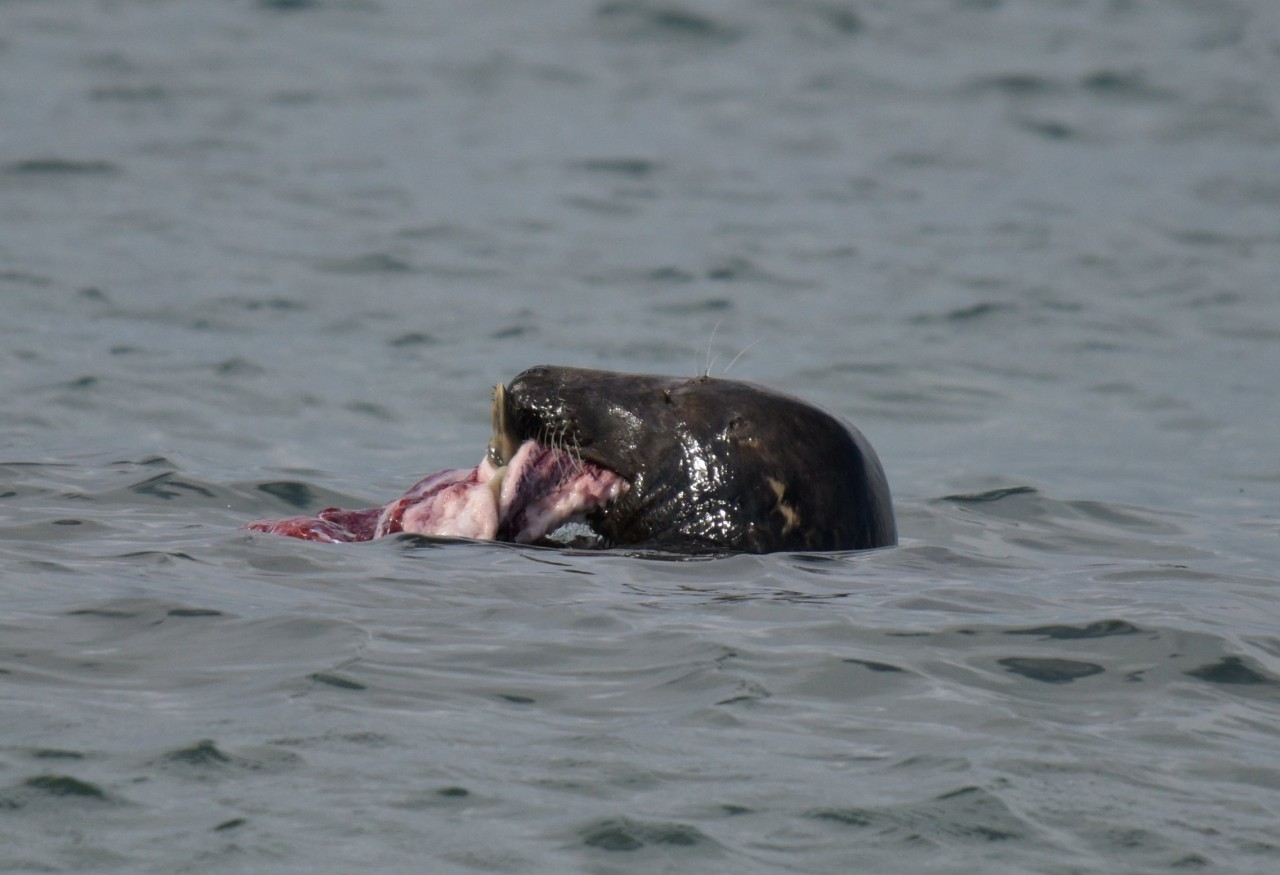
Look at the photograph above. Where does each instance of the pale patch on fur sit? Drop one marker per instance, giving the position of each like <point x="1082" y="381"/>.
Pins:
<point x="790" y="517"/>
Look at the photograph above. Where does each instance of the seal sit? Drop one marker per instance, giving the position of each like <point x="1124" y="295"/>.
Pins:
<point x="712" y="465"/>
<point x="699" y="465"/>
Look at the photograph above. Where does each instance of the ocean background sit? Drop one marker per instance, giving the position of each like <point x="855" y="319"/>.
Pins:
<point x="261" y="257"/>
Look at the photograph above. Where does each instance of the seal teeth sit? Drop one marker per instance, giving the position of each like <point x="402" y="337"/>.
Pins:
<point x="504" y="443"/>
<point x="495" y="486"/>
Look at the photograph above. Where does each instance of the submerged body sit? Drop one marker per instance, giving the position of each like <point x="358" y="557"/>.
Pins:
<point x="687" y="465"/>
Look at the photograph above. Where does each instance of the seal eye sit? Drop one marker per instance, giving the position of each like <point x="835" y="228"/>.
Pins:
<point x="740" y="432"/>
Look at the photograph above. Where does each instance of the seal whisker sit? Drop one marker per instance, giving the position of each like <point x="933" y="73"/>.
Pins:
<point x="568" y="457"/>
<point x="575" y="451"/>
<point x="572" y="448"/>
<point x="745" y="350"/>
<point x="711" y="343"/>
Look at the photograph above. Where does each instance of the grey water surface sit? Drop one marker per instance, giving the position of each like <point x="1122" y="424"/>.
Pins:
<point x="261" y="257"/>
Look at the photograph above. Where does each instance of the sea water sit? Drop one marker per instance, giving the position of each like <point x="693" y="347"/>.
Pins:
<point x="260" y="258"/>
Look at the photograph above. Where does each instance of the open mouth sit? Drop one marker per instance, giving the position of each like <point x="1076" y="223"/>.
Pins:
<point x="522" y="491"/>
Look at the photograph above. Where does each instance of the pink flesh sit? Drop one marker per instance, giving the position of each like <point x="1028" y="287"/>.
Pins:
<point x="541" y="490"/>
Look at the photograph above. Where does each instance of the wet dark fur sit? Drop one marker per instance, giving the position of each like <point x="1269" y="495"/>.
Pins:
<point x="714" y="465"/>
